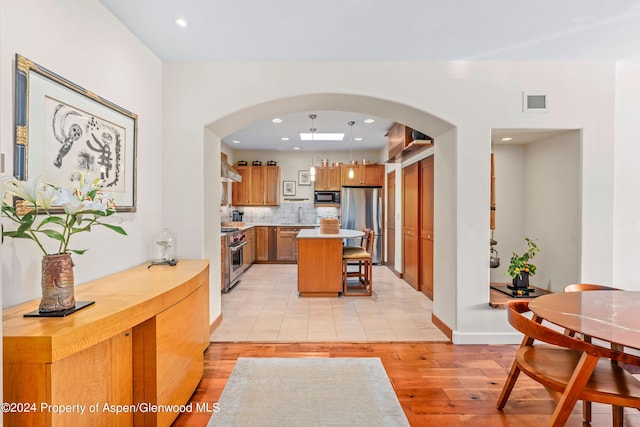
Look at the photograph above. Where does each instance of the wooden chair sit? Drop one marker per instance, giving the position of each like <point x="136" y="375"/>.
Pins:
<point x="555" y="367"/>
<point x="362" y="255"/>
<point x="579" y="287"/>
<point x="362" y="244"/>
<point x="617" y="411"/>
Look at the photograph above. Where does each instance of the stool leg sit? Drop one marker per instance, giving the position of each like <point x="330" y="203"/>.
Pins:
<point x="344" y="277"/>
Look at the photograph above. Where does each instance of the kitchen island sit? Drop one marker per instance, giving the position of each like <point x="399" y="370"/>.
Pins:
<point x="320" y="262"/>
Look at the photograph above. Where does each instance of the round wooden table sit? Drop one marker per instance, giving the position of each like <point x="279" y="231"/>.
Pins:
<point x="610" y="316"/>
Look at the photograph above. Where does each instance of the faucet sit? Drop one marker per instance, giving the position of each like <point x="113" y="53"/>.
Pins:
<point x="300" y="214"/>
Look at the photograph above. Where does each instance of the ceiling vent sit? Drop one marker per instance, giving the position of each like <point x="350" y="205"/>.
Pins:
<point x="535" y="102"/>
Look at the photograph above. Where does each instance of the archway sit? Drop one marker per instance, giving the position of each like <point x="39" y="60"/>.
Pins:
<point x="411" y="116"/>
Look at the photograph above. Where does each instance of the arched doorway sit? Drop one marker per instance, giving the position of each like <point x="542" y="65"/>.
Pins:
<point x="398" y="112"/>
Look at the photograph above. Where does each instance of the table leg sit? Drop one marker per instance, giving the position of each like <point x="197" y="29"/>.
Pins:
<point x="578" y="380"/>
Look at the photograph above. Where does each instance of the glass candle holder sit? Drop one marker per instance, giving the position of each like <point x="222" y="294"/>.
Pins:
<point x="163" y="248"/>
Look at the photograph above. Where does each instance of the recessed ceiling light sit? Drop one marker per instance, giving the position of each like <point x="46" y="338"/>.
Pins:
<point x="235" y="141"/>
<point x="316" y="136"/>
<point x="277" y="120"/>
<point x="369" y="121"/>
<point x="508" y="138"/>
<point x="357" y="138"/>
<point x="285" y="138"/>
<point x="182" y="23"/>
<point x="296" y="148"/>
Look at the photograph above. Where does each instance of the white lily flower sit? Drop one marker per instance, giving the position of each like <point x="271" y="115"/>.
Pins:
<point x="47" y="196"/>
<point x="69" y="201"/>
<point x="26" y="190"/>
<point x="84" y="206"/>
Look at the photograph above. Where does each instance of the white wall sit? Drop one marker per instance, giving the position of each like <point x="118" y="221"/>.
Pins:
<point x="81" y="41"/>
<point x="627" y="176"/>
<point x="537" y="196"/>
<point x="510" y="206"/>
<point x="552" y="209"/>
<point x="482" y="97"/>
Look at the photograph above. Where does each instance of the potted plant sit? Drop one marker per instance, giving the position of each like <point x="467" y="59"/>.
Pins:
<point x="520" y="266"/>
<point x="85" y="207"/>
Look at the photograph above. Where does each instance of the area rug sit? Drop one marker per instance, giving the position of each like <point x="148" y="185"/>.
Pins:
<point x="308" y="392"/>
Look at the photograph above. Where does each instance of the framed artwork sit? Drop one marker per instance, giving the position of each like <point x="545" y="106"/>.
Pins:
<point x="288" y="188"/>
<point x="304" y="178"/>
<point x="62" y="129"/>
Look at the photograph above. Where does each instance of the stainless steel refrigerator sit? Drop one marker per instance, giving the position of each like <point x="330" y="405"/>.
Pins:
<point x="361" y="207"/>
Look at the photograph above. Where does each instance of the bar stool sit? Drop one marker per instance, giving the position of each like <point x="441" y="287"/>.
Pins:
<point x="363" y="256"/>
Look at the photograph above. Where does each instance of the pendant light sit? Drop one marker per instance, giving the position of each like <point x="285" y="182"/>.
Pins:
<point x="312" y="129"/>
<point x="351" y="172"/>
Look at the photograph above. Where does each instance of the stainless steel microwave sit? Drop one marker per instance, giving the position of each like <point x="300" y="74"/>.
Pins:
<point x="326" y="197"/>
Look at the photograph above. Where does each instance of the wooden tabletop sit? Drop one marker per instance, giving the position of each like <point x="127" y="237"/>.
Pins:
<point x="608" y="315"/>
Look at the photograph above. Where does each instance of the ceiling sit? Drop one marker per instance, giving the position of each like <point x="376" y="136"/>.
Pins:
<point x="361" y="30"/>
<point x="268" y="135"/>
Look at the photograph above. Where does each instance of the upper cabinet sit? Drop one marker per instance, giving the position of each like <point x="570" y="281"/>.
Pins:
<point x="328" y="178"/>
<point x="363" y="175"/>
<point x="259" y="187"/>
<point x="404" y="141"/>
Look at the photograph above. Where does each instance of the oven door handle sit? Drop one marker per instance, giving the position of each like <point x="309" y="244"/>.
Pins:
<point x="236" y="247"/>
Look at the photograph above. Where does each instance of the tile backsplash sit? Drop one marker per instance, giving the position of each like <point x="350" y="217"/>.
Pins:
<point x="304" y="213"/>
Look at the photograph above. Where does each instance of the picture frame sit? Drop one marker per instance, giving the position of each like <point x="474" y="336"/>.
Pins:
<point x="304" y="177"/>
<point x="62" y="128"/>
<point x="288" y="188"/>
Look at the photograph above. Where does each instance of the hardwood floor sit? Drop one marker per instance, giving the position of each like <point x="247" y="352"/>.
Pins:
<point x="437" y="384"/>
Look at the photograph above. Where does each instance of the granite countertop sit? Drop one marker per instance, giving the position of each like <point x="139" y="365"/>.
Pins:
<point x="247" y="225"/>
<point x="314" y="233"/>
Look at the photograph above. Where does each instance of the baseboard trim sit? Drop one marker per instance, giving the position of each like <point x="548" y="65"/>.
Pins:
<point x="486" y="338"/>
<point x="442" y="326"/>
<point x="215" y="324"/>
<point x="393" y="270"/>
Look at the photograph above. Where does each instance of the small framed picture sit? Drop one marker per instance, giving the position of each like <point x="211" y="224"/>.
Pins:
<point x="304" y="178"/>
<point x="288" y="188"/>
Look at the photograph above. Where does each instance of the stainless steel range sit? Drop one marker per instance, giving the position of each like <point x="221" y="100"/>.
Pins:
<point x="234" y="261"/>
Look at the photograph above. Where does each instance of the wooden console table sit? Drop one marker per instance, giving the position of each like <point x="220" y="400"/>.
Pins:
<point x="141" y="344"/>
<point x="499" y="299"/>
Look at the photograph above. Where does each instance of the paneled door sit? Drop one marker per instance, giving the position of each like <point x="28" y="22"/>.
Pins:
<point x="410" y="225"/>
<point x="391" y="220"/>
<point x="426" y="227"/>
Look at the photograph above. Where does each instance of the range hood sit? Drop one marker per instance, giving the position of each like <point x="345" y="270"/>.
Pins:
<point x="228" y="173"/>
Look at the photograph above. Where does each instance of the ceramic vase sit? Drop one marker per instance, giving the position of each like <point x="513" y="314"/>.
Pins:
<point x="57" y="283"/>
<point x="521" y="281"/>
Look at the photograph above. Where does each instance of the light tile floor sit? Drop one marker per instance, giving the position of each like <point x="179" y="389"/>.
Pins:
<point x="265" y="306"/>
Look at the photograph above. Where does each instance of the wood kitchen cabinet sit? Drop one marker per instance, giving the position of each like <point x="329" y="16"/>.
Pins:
<point x="266" y="241"/>
<point x="401" y="144"/>
<point x="262" y="243"/>
<point x="277" y="244"/>
<point x="241" y="191"/>
<point x="398" y="137"/>
<point x="260" y="186"/>
<point x="363" y="175"/>
<point x="287" y="243"/>
<point x="223" y="259"/>
<point x="425" y="273"/>
<point x="410" y="224"/>
<point x="249" y="250"/>
<point x="328" y="178"/>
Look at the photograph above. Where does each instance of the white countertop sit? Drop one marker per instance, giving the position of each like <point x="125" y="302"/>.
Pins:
<point x="314" y="233"/>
